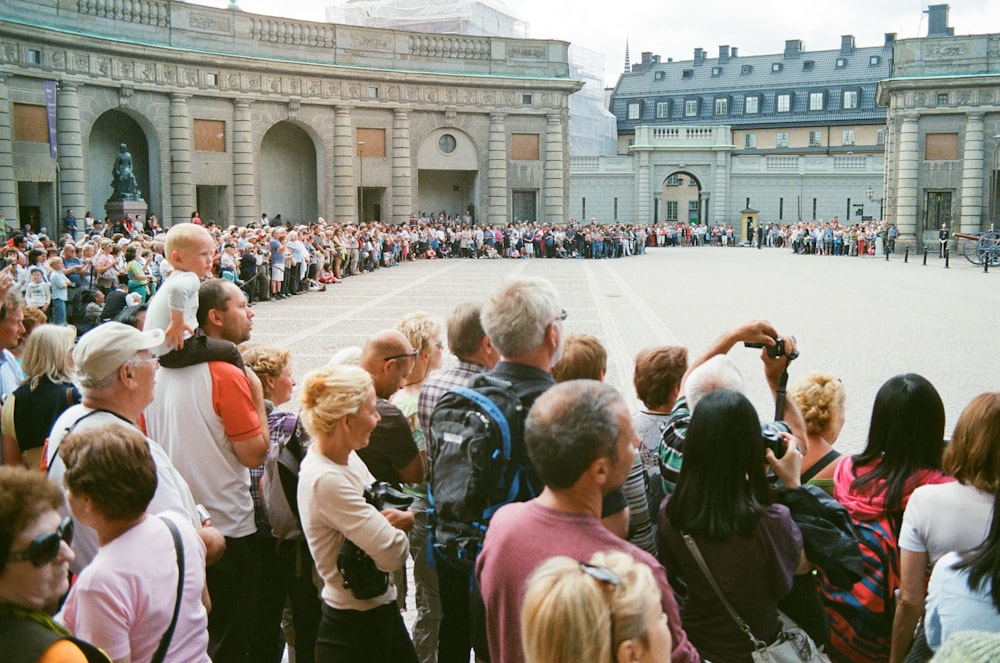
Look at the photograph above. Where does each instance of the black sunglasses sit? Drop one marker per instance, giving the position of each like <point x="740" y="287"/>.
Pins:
<point x="402" y="356"/>
<point x="45" y="547"/>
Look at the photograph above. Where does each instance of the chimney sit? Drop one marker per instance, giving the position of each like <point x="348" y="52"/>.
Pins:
<point x="890" y="39"/>
<point x="847" y="45"/>
<point x="656" y="59"/>
<point x="697" y="55"/>
<point x="723" y="54"/>
<point x="733" y="52"/>
<point x="793" y="48"/>
<point x="647" y="57"/>
<point x="670" y="60"/>
<point x="937" y="21"/>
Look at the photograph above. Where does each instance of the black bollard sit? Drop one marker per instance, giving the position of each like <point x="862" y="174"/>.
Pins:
<point x="887" y="255"/>
<point x="906" y="254"/>
<point x="986" y="265"/>
<point x="925" y="255"/>
<point x="946" y="255"/>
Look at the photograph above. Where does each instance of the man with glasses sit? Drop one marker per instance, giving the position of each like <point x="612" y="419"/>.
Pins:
<point x="115" y="371"/>
<point x="581" y="442"/>
<point x="391" y="454"/>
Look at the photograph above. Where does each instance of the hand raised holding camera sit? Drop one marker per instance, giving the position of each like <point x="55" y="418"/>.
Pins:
<point x="789" y="466"/>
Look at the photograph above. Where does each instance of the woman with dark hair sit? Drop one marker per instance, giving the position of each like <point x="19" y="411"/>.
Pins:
<point x="725" y="504"/>
<point x="964" y="591"/>
<point x="904" y="450"/>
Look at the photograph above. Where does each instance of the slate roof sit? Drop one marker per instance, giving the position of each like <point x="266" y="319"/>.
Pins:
<point x="738" y="77"/>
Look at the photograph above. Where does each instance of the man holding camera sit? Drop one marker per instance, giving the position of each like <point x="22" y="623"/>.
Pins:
<point x="714" y="370"/>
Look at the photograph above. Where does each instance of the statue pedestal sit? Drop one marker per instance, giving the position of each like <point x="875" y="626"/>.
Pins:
<point x="118" y="210"/>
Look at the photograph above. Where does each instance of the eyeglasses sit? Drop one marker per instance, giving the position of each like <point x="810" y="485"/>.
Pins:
<point x="562" y="316"/>
<point x="45" y="547"/>
<point x="402" y="356"/>
<point x="605" y="576"/>
<point x="147" y="360"/>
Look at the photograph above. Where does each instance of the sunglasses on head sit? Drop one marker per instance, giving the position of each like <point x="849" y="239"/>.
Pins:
<point x="45" y="547"/>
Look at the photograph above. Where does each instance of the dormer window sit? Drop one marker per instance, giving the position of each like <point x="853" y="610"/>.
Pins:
<point x="874" y="60"/>
<point x="716" y="71"/>
<point x="776" y="67"/>
<point x="746" y="69"/>
<point x="659" y="76"/>
<point x="841" y="63"/>
<point x="807" y="65"/>
<point x="687" y="73"/>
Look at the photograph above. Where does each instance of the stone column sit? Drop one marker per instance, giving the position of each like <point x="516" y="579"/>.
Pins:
<point x="908" y="172"/>
<point x="72" y="184"/>
<point x="183" y="200"/>
<point x="8" y="185"/>
<point x="344" y="151"/>
<point x="402" y="167"/>
<point x="496" y="172"/>
<point x="554" y="179"/>
<point x="246" y="207"/>
<point x="642" y="192"/>
<point x="720" y="193"/>
<point x="971" y="219"/>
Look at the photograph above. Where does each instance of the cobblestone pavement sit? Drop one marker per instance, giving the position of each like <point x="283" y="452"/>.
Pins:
<point x="863" y="319"/>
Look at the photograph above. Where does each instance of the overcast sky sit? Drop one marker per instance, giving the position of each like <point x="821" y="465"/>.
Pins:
<point x="673" y="30"/>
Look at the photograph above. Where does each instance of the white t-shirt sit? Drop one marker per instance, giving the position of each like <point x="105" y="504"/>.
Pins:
<point x="179" y="292"/>
<point x="172" y="492"/>
<point x="124" y="601"/>
<point x="945" y="517"/>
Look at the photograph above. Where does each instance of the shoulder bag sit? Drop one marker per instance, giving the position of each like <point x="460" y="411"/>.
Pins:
<point x="161" y="651"/>
<point x="793" y="645"/>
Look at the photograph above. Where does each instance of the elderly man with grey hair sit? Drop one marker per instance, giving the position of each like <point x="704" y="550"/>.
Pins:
<point x="712" y="371"/>
<point x="581" y="442"/>
<point x="115" y="371"/>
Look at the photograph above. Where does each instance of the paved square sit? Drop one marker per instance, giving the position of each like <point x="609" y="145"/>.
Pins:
<point x="862" y="319"/>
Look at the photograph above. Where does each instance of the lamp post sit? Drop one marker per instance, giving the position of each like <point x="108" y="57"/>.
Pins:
<point x="871" y="196"/>
<point x="361" y="182"/>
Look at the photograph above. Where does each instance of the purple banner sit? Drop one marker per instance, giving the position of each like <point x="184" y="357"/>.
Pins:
<point x="50" y="109"/>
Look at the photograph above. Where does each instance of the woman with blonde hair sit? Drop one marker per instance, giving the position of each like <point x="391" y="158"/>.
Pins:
<point x="29" y="412"/>
<point x="820" y="397"/>
<point x="338" y="412"/>
<point x="605" y="610"/>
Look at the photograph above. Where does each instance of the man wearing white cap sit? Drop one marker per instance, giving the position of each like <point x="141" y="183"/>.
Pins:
<point x="115" y="371"/>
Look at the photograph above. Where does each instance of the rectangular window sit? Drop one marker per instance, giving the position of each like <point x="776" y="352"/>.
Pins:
<point x="880" y="136"/>
<point x="634" y="109"/>
<point x="850" y="99"/>
<point x="526" y="99"/>
<point x="210" y="135"/>
<point x="784" y="103"/>
<point x="524" y="147"/>
<point x="781" y="209"/>
<point x="941" y="147"/>
<point x="31" y="123"/>
<point x="781" y="139"/>
<point x="373" y="92"/>
<point x="750" y="141"/>
<point x="691" y="108"/>
<point x="33" y="56"/>
<point x="722" y="106"/>
<point x="815" y="101"/>
<point x="211" y="79"/>
<point x="816" y="138"/>
<point x="938" y="209"/>
<point x="374" y="142"/>
<point x="673" y="180"/>
<point x="847" y="137"/>
<point x="942" y="98"/>
<point x="662" y="109"/>
<point x="671" y="210"/>
<point x="751" y="105"/>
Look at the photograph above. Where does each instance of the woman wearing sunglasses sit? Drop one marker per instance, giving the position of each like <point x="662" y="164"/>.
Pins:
<point x="607" y="609"/>
<point x="34" y="571"/>
<point x="141" y="599"/>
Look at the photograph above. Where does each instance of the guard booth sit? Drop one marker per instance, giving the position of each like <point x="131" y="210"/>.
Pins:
<point x="749" y="220"/>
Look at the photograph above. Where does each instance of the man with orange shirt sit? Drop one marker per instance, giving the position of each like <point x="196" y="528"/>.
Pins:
<point x="208" y="418"/>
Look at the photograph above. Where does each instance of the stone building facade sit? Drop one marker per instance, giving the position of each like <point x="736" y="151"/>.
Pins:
<point x="796" y="135"/>
<point x="943" y="101"/>
<point x="234" y="114"/>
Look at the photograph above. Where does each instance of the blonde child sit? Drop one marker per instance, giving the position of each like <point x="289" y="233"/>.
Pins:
<point x="174" y="309"/>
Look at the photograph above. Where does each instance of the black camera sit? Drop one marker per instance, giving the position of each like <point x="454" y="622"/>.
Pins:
<point x="773" y="351"/>
<point x="771" y="432"/>
<point x="361" y="576"/>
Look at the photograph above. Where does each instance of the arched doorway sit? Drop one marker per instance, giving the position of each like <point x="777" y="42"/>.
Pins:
<point x="288" y="174"/>
<point x="448" y="169"/>
<point x="110" y="130"/>
<point x="680" y="199"/>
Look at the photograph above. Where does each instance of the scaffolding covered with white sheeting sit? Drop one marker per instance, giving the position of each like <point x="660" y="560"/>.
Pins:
<point x="489" y="18"/>
<point x="592" y="127"/>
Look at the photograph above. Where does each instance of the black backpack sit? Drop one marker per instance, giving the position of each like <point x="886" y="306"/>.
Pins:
<point x="474" y="467"/>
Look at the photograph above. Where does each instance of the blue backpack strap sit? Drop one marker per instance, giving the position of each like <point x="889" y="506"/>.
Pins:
<point x="490" y="408"/>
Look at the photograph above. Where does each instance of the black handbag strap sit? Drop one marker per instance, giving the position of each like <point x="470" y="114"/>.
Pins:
<point x="693" y="547"/>
<point x="161" y="651"/>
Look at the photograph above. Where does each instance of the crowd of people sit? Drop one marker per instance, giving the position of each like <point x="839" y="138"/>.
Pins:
<point x="192" y="502"/>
